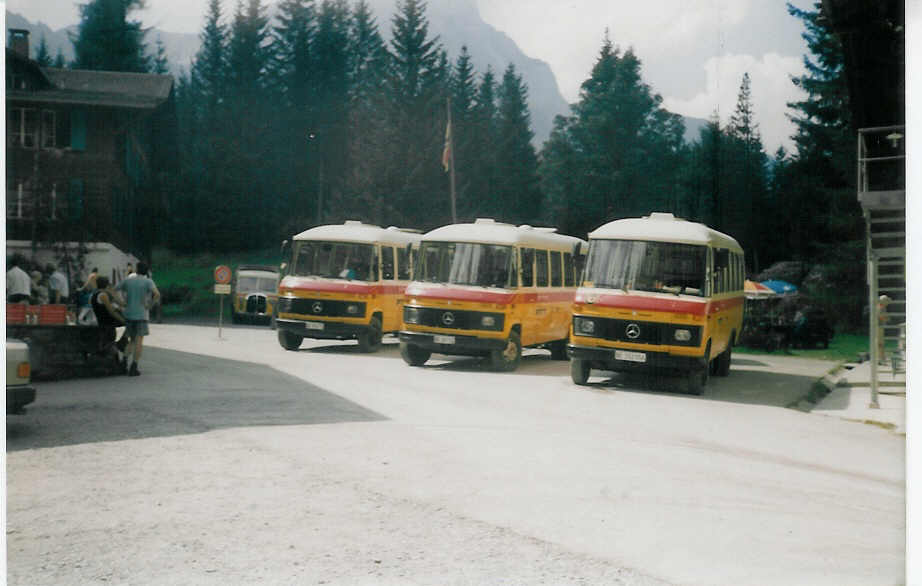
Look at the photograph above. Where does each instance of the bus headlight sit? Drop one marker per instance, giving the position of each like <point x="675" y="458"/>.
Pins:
<point x="411" y="315"/>
<point x="583" y="326"/>
<point x="682" y="335"/>
<point x="352" y="308"/>
<point x="488" y="321"/>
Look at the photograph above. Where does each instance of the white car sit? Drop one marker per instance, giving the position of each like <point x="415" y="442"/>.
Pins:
<point x="19" y="391"/>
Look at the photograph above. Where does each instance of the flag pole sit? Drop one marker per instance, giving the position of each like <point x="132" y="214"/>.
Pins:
<point x="451" y="155"/>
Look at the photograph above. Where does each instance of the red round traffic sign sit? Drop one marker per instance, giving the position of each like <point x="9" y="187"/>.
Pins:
<point x="222" y="275"/>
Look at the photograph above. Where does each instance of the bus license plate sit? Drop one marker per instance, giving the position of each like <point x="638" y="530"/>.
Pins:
<point x="630" y="356"/>
<point x="443" y="339"/>
<point x="313" y="325"/>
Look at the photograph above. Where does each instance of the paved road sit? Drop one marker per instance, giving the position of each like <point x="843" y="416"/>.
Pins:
<point x="234" y="461"/>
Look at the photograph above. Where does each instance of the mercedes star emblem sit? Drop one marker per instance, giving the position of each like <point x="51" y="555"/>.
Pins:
<point x="317" y="307"/>
<point x="632" y="331"/>
<point x="448" y="318"/>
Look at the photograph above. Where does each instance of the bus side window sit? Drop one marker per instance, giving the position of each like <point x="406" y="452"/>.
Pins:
<point x="387" y="263"/>
<point x="528" y="267"/>
<point x="569" y="275"/>
<point x="403" y="264"/>
<point x="556" y="269"/>
<point x="721" y="270"/>
<point x="541" y="268"/>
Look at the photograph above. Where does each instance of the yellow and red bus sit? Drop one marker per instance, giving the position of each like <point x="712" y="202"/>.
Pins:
<point x="345" y="281"/>
<point x="658" y="294"/>
<point x="489" y="289"/>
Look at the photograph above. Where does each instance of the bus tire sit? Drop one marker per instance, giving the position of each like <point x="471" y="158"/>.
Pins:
<point x="413" y="354"/>
<point x="697" y="380"/>
<point x="507" y="358"/>
<point x="290" y="341"/>
<point x="370" y="340"/>
<point x="723" y="361"/>
<point x="579" y="370"/>
<point x="558" y="349"/>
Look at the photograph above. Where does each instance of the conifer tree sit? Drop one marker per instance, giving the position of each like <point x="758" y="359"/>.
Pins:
<point x="368" y="137"/>
<point x="517" y="164"/>
<point x="59" y="61"/>
<point x="106" y="40"/>
<point x="480" y="171"/>
<point x="415" y="177"/>
<point x="463" y="91"/>
<point x="291" y="80"/>
<point x="42" y="57"/>
<point x="161" y="64"/>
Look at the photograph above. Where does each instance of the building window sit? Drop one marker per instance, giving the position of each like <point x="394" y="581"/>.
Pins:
<point x="22" y="127"/>
<point x="49" y="129"/>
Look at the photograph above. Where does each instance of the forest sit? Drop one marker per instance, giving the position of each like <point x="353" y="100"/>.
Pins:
<point x="310" y="117"/>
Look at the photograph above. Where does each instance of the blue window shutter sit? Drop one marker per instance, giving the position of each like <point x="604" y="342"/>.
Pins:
<point x="75" y="199"/>
<point x="78" y="130"/>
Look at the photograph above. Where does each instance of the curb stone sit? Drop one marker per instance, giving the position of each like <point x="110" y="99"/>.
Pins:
<point x="819" y="389"/>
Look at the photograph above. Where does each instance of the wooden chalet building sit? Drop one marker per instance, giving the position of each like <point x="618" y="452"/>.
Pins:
<point x="90" y="154"/>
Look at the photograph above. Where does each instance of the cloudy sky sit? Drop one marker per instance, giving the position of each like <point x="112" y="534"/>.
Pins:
<point x="693" y="52"/>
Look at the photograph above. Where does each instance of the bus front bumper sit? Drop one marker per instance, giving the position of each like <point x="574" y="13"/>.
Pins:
<point x="463" y="345"/>
<point x="604" y="359"/>
<point x="331" y="330"/>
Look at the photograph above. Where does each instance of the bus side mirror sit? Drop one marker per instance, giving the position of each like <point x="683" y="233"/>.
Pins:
<point x="283" y="267"/>
<point x="284" y="247"/>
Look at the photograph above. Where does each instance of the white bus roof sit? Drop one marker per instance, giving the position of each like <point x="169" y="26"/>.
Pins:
<point x="487" y="231"/>
<point x="355" y="231"/>
<point x="664" y="227"/>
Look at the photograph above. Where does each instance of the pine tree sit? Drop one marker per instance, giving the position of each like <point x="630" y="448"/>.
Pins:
<point x="463" y="91"/>
<point x="368" y="142"/>
<point x="42" y="57"/>
<point x="479" y="173"/>
<point x="619" y="143"/>
<point x="517" y="164"/>
<point x="161" y="63"/>
<point x="415" y="174"/>
<point x="291" y="77"/>
<point x="106" y="40"/>
<point x="331" y="88"/>
<point x="59" y="61"/>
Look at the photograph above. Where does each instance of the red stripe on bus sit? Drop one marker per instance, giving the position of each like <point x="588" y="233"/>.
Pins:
<point x="329" y="286"/>
<point x="496" y="297"/>
<point x="643" y="303"/>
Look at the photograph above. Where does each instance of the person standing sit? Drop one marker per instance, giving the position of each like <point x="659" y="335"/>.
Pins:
<point x="40" y="294"/>
<point x="18" y="283"/>
<point x="57" y="282"/>
<point x="108" y="315"/>
<point x="140" y="293"/>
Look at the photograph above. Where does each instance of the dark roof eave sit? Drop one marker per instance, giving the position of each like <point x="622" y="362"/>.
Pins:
<point x="112" y="101"/>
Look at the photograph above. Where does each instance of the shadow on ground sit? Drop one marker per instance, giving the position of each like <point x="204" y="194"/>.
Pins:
<point x="177" y="393"/>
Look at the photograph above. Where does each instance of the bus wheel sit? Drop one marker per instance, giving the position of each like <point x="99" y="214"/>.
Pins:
<point x="723" y="362"/>
<point x="290" y="341"/>
<point x="413" y="354"/>
<point x="370" y="340"/>
<point x="507" y="359"/>
<point x="697" y="379"/>
<point x="558" y="350"/>
<point x="579" y="370"/>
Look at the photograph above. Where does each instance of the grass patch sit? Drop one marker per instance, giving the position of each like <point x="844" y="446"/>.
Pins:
<point x="186" y="282"/>
<point x="842" y="348"/>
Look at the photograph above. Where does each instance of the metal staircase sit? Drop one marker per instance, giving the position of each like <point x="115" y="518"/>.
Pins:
<point x="882" y="194"/>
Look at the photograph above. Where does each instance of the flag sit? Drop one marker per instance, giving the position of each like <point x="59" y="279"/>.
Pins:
<point x="446" y="152"/>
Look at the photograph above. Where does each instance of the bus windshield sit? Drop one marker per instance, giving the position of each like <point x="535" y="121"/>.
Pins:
<point x="462" y="263"/>
<point x="646" y="266"/>
<point x="251" y="283"/>
<point x="335" y="260"/>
